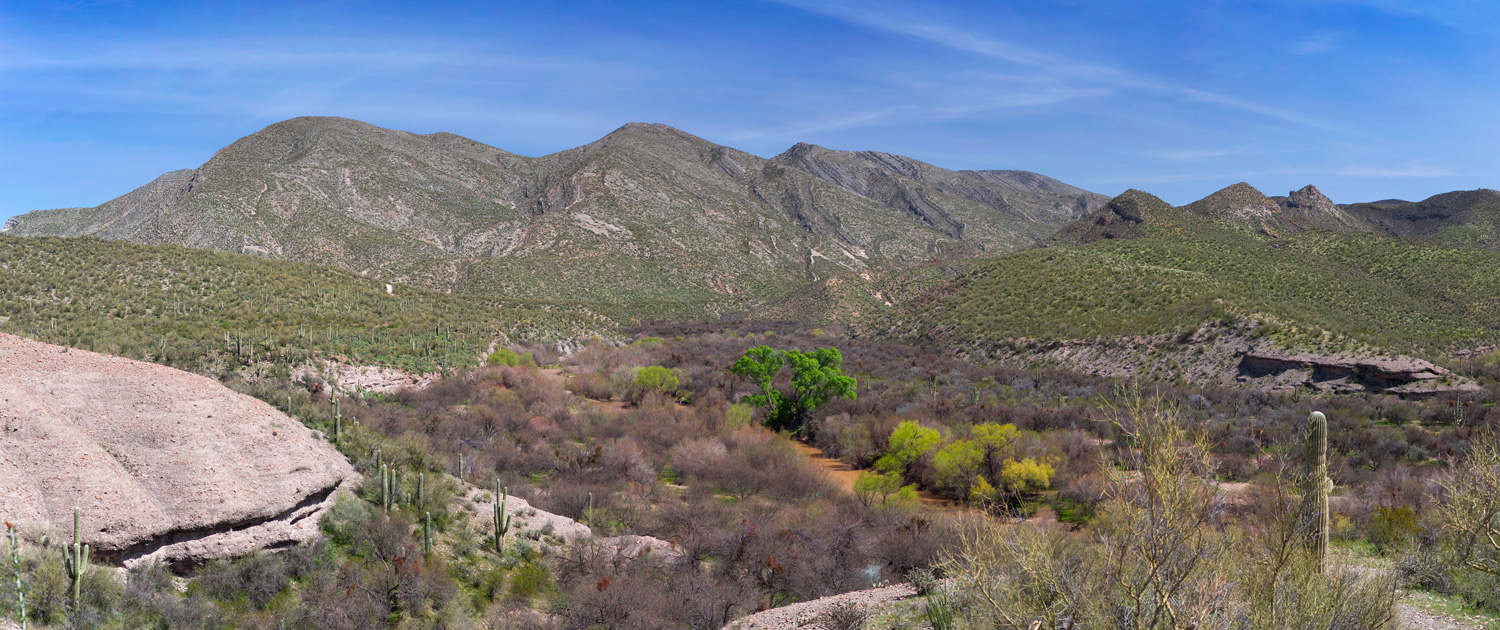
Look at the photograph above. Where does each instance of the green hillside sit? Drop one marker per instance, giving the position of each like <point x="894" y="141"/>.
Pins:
<point x="202" y="309"/>
<point x="1368" y="292"/>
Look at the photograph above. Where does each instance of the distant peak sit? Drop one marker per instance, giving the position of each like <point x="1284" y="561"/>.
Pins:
<point x="1310" y="199"/>
<point x="1238" y="190"/>
<point x="798" y="151"/>
<point x="648" y="129"/>
<point x="651" y="133"/>
<point x="1237" y="203"/>
<point x="1139" y="196"/>
<point x="305" y="123"/>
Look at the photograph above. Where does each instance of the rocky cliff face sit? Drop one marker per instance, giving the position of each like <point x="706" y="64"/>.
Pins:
<point x="164" y="464"/>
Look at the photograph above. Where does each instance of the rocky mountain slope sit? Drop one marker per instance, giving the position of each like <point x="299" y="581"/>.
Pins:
<point x="1234" y="288"/>
<point x="994" y="210"/>
<point x="164" y="464"/>
<point x="1467" y="217"/>
<point x="647" y="216"/>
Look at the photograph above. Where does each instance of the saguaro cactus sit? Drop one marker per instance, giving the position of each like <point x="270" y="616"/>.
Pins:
<point x="15" y="564"/>
<point x="502" y="519"/>
<point x="1316" y="487"/>
<point x="427" y="534"/>
<point x="77" y="557"/>
<point x="385" y="487"/>
<point x="421" y="488"/>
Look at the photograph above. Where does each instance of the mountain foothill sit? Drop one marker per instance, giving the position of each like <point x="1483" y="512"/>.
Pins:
<point x="652" y="223"/>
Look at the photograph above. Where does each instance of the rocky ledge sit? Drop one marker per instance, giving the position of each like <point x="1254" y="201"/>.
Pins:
<point x="164" y="464"/>
<point x="1403" y="376"/>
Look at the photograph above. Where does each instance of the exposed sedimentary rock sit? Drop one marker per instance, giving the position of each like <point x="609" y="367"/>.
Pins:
<point x="164" y="464"/>
<point x="1393" y="375"/>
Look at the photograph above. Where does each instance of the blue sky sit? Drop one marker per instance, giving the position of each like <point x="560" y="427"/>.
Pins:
<point x="1367" y="99"/>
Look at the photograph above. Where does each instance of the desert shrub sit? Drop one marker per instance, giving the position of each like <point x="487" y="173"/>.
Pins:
<point x="1470" y="517"/>
<point x="876" y="489"/>
<point x="255" y="579"/>
<point x="845" y="616"/>
<point x="1159" y="555"/>
<point x="1393" y="528"/>
<point x="1426" y="569"/>
<point x="528" y="580"/>
<point x="505" y="357"/>
<point x="48" y="586"/>
<point x="697" y="457"/>
<point x="591" y="385"/>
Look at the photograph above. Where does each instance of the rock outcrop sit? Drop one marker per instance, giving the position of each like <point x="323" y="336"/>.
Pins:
<point x="1308" y="209"/>
<point x="1232" y="355"/>
<point x="165" y="464"/>
<point x="1404" y="376"/>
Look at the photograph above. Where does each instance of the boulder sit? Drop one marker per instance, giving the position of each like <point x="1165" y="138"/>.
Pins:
<point x="164" y="464"/>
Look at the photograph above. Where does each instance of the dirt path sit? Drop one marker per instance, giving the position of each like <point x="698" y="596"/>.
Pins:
<point x="557" y="375"/>
<point x="844" y="476"/>
<point x="841" y="474"/>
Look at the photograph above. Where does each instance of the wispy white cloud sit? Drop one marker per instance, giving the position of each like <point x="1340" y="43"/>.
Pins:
<point x="1092" y="76"/>
<point x="1320" y="42"/>
<point x="1188" y="155"/>
<point x="850" y="120"/>
<point x="1410" y="169"/>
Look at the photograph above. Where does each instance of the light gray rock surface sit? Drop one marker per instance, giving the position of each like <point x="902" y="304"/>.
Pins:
<point x="165" y="464"/>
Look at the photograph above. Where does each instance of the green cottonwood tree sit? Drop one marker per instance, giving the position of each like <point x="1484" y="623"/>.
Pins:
<point x="817" y="376"/>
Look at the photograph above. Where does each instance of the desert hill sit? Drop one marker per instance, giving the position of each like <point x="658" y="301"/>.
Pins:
<point x="1234" y="288"/>
<point x="647" y="216"/>
<point x="1465" y="218"/>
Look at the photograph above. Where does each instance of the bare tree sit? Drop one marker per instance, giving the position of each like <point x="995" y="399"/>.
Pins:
<point x="1471" y="513"/>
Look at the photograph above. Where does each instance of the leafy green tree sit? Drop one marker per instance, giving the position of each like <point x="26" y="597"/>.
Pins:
<point x="957" y="465"/>
<point x="504" y="356"/>
<point x="909" y="442"/>
<point x="655" y="378"/>
<point x="874" y="489"/>
<point x="1027" y="475"/>
<point x="817" y="376"/>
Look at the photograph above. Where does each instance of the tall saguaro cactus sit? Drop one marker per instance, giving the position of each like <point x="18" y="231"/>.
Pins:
<point x="385" y="487"/>
<point x="77" y="557"/>
<point x="427" y="534"/>
<point x="502" y="519"/>
<point x="1316" y="487"/>
<point x="15" y="565"/>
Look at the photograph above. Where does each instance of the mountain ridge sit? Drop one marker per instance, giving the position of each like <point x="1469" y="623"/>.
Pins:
<point x="646" y="214"/>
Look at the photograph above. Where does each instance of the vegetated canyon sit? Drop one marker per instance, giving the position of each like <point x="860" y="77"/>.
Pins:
<point x="342" y="376"/>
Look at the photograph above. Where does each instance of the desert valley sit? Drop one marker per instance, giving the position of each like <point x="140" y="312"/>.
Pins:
<point x="342" y="376"/>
